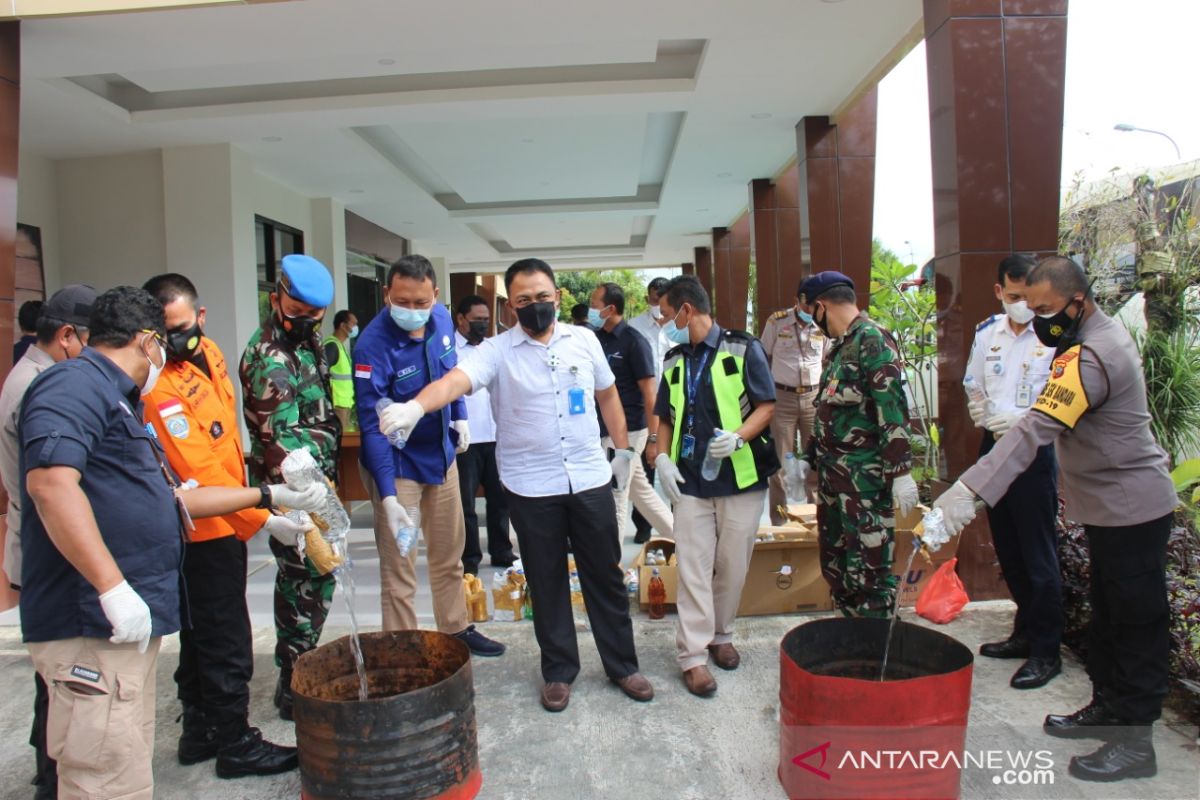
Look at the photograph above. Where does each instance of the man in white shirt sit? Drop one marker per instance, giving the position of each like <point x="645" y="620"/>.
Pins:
<point x="1006" y="371"/>
<point x="477" y="464"/>
<point x="547" y="381"/>
<point x="650" y="324"/>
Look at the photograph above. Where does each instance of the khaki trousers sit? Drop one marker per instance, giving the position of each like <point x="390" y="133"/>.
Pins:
<point x="443" y="535"/>
<point x="641" y="491"/>
<point x="792" y="411"/>
<point x="714" y="539"/>
<point x="100" y="727"/>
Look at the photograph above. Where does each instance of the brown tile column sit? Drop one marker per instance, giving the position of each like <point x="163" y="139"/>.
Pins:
<point x="837" y="192"/>
<point x="704" y="268"/>
<point x="731" y="273"/>
<point x="10" y="116"/>
<point x="688" y="268"/>
<point x="461" y="285"/>
<point x="775" y="214"/>
<point x="996" y="72"/>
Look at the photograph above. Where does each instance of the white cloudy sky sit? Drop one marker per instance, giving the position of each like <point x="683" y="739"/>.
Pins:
<point x="1133" y="62"/>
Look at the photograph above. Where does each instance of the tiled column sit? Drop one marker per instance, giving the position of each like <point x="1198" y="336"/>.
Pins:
<point x="775" y="214"/>
<point x="731" y="273"/>
<point x="996" y="70"/>
<point x="688" y="268"/>
<point x="837" y="192"/>
<point x="704" y="267"/>
<point x="461" y="285"/>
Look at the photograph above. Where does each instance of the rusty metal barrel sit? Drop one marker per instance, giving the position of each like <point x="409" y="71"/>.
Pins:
<point x="413" y="738"/>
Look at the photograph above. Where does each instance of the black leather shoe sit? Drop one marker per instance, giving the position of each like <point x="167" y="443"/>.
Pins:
<point x="283" y="695"/>
<point x="1093" y="721"/>
<point x="250" y="754"/>
<point x="1036" y="672"/>
<point x="1131" y="757"/>
<point x="504" y="562"/>
<point x="641" y="537"/>
<point x="1012" y="647"/>
<point x="198" y="742"/>
<point x="43" y="792"/>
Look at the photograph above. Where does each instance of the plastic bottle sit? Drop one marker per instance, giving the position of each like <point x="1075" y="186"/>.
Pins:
<point x="791" y="475"/>
<point x="711" y="466"/>
<point x="406" y="537"/>
<point x="397" y="439"/>
<point x="633" y="590"/>
<point x="299" y="472"/>
<point x="976" y="393"/>
<point x="578" y="610"/>
<point x="658" y="596"/>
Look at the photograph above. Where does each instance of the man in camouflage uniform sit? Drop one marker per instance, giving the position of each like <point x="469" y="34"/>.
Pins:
<point x="859" y="449"/>
<point x="287" y="405"/>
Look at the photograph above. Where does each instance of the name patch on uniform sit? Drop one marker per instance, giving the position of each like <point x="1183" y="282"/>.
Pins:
<point x="170" y="407"/>
<point x="409" y="370"/>
<point x="178" y="426"/>
<point x="1063" y="398"/>
<point x="85" y="673"/>
<point x="362" y="371"/>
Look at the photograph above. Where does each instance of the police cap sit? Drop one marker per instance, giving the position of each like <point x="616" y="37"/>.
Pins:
<point x="306" y="279"/>
<point x="816" y="285"/>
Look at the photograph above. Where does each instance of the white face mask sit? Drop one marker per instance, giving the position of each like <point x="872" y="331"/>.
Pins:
<point x="155" y="370"/>
<point x="1018" y="312"/>
<point x="655" y="312"/>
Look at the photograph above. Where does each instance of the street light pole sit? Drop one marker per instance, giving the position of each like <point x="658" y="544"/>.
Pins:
<point x="1125" y="127"/>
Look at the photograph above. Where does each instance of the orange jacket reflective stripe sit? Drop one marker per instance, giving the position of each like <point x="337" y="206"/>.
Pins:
<point x="196" y="420"/>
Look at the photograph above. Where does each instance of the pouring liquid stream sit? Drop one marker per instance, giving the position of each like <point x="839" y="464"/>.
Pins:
<point x="896" y="607"/>
<point x="345" y="579"/>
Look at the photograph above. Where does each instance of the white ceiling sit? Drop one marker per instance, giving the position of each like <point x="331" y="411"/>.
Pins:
<point x="588" y="133"/>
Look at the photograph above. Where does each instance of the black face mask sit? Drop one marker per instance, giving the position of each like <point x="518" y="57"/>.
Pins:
<point x="1060" y="330"/>
<point x="298" y="329"/>
<point x="182" y="345"/>
<point x="537" y="317"/>
<point x="478" y="329"/>
<point x="823" y="322"/>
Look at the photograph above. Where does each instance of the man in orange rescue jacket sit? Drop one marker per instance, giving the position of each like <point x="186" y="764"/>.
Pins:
<point x="194" y="413"/>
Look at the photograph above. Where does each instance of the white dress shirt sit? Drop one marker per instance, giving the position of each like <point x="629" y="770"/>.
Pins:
<point x="542" y="449"/>
<point x="1012" y="368"/>
<point x="479" y="402"/>
<point x="647" y="326"/>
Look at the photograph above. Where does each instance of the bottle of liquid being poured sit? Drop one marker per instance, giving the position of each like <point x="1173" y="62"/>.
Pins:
<point x="407" y="536"/>
<point x="976" y="393"/>
<point x="657" y="596"/>
<point x="299" y="472"/>
<point x="791" y="479"/>
<point x="397" y="439"/>
<point x="711" y="466"/>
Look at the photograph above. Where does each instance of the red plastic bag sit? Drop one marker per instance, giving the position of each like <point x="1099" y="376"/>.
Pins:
<point x="943" y="597"/>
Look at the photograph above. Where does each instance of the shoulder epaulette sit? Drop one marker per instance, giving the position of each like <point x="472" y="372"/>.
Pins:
<point x="987" y="322"/>
<point x="674" y="351"/>
<point x="741" y="336"/>
<point x="781" y="314"/>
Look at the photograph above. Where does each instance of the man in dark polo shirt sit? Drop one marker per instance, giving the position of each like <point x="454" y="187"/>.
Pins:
<point x="101" y="572"/>
<point x="632" y="362"/>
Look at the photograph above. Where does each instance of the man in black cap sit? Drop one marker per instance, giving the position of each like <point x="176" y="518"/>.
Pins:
<point x="61" y="333"/>
<point x="859" y="449"/>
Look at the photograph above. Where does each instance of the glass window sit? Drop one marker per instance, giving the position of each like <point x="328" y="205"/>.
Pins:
<point x="273" y="241"/>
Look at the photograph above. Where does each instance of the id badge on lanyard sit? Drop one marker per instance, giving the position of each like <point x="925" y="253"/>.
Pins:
<point x="687" y="443"/>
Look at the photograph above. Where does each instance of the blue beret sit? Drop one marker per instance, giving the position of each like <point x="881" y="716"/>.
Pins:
<point x="306" y="279"/>
<point x="816" y="285"/>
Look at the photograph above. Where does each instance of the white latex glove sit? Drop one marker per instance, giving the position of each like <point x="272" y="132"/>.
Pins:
<point x="978" y="410"/>
<point x="723" y="444"/>
<point x="958" y="507"/>
<point x="401" y="417"/>
<point x="464" y="435"/>
<point x="1000" y="424"/>
<point x="622" y="467"/>
<point x="310" y="499"/>
<point x="128" y="614"/>
<point x="670" y="476"/>
<point x="397" y="516"/>
<point x="796" y="481"/>
<point x="904" y="493"/>
<point x="283" y="530"/>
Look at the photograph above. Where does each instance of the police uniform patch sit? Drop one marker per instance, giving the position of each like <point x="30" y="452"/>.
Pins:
<point x="178" y="426"/>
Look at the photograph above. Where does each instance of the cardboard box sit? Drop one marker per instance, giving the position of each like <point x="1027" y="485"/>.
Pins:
<point x="791" y="532"/>
<point x="911" y="583"/>
<point x="784" y="578"/>
<point x="668" y="572"/>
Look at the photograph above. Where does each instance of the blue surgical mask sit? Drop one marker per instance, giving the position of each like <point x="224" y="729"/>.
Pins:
<point x="675" y="333"/>
<point x="410" y="319"/>
<point x="594" y="318"/>
<point x="804" y="317"/>
<point x="354" y="332"/>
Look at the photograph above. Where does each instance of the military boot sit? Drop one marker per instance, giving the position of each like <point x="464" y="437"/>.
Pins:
<point x="283" y="694"/>
<point x="244" y="752"/>
<point x="198" y="742"/>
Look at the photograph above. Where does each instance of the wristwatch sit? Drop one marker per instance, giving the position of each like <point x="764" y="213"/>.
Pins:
<point x="265" y="502"/>
<point x="653" y="437"/>
<point x="740" y="442"/>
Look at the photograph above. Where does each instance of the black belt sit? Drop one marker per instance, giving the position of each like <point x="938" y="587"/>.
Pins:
<point x="795" y="389"/>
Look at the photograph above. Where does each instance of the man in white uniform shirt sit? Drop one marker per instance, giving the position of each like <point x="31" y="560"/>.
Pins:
<point x="547" y="381"/>
<point x="650" y="324"/>
<point x="1010" y="365"/>
<point x="477" y="464"/>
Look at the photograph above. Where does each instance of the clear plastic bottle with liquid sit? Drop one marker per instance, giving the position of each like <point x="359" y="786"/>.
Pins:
<point x="299" y="471"/>
<point x="407" y="536"/>
<point x="711" y="466"/>
<point x="791" y="479"/>
<point x="397" y="438"/>
<point x="976" y="393"/>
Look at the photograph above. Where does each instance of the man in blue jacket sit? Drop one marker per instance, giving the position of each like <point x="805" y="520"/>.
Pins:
<point x="398" y="354"/>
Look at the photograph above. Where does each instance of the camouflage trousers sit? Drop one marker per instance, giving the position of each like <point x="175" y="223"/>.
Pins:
<point x="302" y="600"/>
<point x="856" y="534"/>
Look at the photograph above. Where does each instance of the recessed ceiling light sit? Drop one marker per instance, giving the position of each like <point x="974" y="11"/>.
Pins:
<point x="724" y="174"/>
<point x="701" y="210"/>
<point x="527" y="141"/>
<point x="387" y="62"/>
<point x="272" y="138"/>
<point x="443" y="244"/>
<point x="356" y="191"/>
<point x="762" y="115"/>
<point x="832" y="1"/>
<point x="408" y="222"/>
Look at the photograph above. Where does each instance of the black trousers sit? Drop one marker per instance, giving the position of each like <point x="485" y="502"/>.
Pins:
<point x="587" y="522"/>
<point x="641" y="524"/>
<point x="47" y="767"/>
<point x="478" y="466"/>
<point x="216" y="658"/>
<point x="1129" y="641"/>
<point x="1024" y="534"/>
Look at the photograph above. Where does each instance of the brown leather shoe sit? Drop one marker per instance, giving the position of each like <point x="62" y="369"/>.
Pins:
<point x="725" y="655"/>
<point x="555" y="696"/>
<point x="700" y="682"/>
<point x="637" y="687"/>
